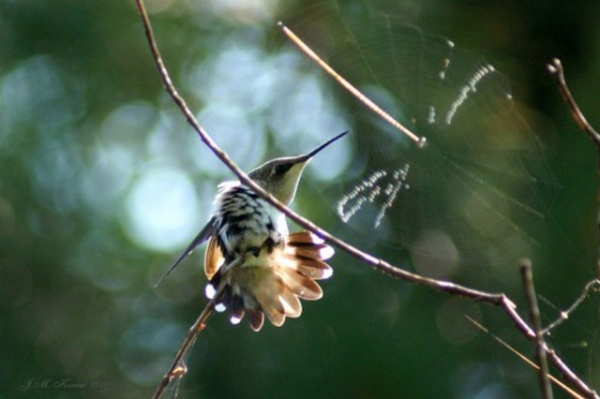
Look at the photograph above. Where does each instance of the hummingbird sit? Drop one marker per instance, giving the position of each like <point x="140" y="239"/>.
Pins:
<point x="254" y="266"/>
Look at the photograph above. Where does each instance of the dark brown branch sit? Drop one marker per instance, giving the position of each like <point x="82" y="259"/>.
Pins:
<point x="570" y="376"/>
<point x="497" y="299"/>
<point x="540" y="346"/>
<point x="178" y="368"/>
<point x="444" y="286"/>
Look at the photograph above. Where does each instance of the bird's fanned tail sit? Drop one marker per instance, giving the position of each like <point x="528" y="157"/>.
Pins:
<point x="271" y="282"/>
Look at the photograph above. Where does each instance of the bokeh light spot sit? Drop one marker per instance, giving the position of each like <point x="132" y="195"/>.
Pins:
<point x="161" y="210"/>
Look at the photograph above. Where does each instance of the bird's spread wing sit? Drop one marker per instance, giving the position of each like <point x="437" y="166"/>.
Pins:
<point x="204" y="234"/>
<point x="213" y="257"/>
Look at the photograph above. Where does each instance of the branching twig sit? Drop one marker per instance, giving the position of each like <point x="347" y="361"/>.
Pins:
<point x="497" y="299"/>
<point x="521" y="356"/>
<point x="540" y="346"/>
<point x="564" y="314"/>
<point x="570" y="376"/>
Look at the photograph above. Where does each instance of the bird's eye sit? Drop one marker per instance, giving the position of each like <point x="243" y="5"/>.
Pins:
<point x="281" y="169"/>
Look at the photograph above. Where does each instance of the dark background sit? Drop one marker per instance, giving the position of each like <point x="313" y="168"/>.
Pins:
<point x="85" y="129"/>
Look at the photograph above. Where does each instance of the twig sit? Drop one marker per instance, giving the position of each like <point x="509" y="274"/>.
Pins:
<point x="556" y="360"/>
<point x="556" y="70"/>
<point x="570" y="375"/>
<point x="497" y="299"/>
<point x="420" y="141"/>
<point x="534" y="311"/>
<point x="564" y="314"/>
<point x="178" y="368"/>
<point x="521" y="356"/>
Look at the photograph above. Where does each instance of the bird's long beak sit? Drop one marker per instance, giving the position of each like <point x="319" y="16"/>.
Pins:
<point x="313" y="152"/>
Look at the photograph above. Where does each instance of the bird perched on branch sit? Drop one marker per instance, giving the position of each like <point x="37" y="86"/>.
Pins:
<point x="255" y="267"/>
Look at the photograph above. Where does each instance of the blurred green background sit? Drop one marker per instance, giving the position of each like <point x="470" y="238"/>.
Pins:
<point x="102" y="182"/>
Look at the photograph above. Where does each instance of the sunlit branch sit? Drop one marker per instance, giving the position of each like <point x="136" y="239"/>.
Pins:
<point x="420" y="141"/>
<point x="497" y="299"/>
<point x="534" y="311"/>
<point x="556" y="69"/>
<point x="521" y="356"/>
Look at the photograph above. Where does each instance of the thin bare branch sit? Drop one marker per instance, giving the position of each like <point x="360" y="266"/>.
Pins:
<point x="564" y="314"/>
<point x="570" y="376"/>
<point x="444" y="286"/>
<point x="521" y="356"/>
<point x="178" y="368"/>
<point x="556" y="70"/>
<point x="420" y="141"/>
<point x="534" y="312"/>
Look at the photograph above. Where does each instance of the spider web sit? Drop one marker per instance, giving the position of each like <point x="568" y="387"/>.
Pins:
<point x="480" y="192"/>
